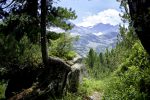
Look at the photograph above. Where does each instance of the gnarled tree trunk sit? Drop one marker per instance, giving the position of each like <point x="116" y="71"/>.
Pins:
<point x="140" y="16"/>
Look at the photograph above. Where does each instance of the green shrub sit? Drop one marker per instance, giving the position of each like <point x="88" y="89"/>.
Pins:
<point x="131" y="80"/>
<point x="63" y="47"/>
<point x="70" y="55"/>
<point x="16" y="55"/>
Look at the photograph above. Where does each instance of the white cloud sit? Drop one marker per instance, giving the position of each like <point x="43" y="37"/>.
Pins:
<point x="109" y="16"/>
<point x="55" y="29"/>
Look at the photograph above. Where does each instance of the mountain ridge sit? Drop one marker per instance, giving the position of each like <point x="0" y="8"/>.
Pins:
<point x="99" y="37"/>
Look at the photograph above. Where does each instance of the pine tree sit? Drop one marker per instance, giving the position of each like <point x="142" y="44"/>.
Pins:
<point x="91" y="58"/>
<point x="101" y="58"/>
<point x="24" y="18"/>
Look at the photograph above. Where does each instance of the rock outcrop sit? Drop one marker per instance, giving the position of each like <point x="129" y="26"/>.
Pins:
<point x="54" y="80"/>
<point x="76" y="74"/>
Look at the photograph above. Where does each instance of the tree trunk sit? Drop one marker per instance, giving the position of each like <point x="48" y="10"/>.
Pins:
<point x="34" y="5"/>
<point x="43" y="32"/>
<point x="140" y="16"/>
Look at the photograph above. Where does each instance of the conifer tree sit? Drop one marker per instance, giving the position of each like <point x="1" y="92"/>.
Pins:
<point x="24" y="16"/>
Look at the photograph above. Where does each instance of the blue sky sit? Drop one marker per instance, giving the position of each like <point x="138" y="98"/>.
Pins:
<point x="91" y="11"/>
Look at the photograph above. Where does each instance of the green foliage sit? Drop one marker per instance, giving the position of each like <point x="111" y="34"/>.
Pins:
<point x="19" y="34"/>
<point x="97" y="64"/>
<point x="70" y="55"/>
<point x="91" y="85"/>
<point x="124" y="69"/>
<point x="53" y="36"/>
<point x="126" y="74"/>
<point x="18" y="54"/>
<point x="58" y="16"/>
<point x="18" y="26"/>
<point x="2" y="90"/>
<point x="63" y="46"/>
<point x="29" y="52"/>
<point x="107" y="62"/>
<point x="131" y="79"/>
<point x="91" y="57"/>
<point x="86" y="88"/>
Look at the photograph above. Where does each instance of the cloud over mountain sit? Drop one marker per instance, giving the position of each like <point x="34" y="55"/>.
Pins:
<point x="109" y="16"/>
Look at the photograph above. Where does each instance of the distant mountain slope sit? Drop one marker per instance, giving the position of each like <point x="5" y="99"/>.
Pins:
<point x="98" y="37"/>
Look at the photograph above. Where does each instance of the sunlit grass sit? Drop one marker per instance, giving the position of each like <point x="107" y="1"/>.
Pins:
<point x="2" y="90"/>
<point x="86" y="88"/>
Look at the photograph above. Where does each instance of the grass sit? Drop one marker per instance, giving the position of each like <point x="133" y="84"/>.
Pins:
<point x="2" y="90"/>
<point x="86" y="88"/>
<point x="91" y="85"/>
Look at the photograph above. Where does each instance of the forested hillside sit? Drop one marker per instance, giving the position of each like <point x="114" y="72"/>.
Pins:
<point x="121" y="73"/>
<point x="37" y="64"/>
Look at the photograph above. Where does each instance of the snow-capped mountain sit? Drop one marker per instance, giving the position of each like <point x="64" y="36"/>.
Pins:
<point x="98" y="37"/>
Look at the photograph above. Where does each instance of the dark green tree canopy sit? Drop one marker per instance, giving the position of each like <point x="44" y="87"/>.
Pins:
<point x="23" y="16"/>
